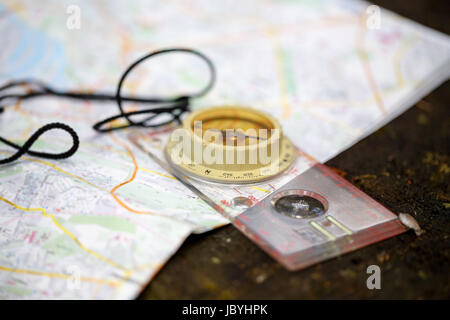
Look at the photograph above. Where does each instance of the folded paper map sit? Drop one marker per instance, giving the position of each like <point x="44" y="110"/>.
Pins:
<point x="102" y="223"/>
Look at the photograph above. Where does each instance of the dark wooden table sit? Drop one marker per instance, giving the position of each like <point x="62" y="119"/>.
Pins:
<point x="405" y="165"/>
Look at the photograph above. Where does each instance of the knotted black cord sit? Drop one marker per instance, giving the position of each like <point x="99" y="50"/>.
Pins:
<point x="31" y="140"/>
<point x="174" y="107"/>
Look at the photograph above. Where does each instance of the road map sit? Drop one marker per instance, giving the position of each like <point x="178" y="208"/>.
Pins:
<point x="102" y="223"/>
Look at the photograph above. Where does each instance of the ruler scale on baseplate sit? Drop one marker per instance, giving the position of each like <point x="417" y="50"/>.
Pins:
<point x="310" y="214"/>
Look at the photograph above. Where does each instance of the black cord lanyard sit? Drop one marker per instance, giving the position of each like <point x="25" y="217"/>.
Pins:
<point x="174" y="107"/>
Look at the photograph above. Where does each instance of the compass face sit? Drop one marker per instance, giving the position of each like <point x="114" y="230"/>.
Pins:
<point x="234" y="144"/>
<point x="235" y="130"/>
<point x="299" y="204"/>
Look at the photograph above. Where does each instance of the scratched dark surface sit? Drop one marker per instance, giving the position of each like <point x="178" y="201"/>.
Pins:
<point x="405" y="165"/>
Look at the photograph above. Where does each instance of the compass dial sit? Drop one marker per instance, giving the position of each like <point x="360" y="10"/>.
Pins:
<point x="230" y="144"/>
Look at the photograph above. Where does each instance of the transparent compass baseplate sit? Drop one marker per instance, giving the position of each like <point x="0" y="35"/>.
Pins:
<point x="305" y="215"/>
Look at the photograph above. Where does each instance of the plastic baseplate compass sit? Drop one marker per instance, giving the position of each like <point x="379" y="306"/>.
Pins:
<point x="316" y="216"/>
<point x="308" y="213"/>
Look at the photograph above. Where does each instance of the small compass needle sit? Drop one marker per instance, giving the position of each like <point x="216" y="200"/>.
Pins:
<point x="249" y="136"/>
<point x="237" y="133"/>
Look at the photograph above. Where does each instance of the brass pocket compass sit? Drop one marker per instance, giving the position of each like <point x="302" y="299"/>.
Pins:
<point x="230" y="144"/>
